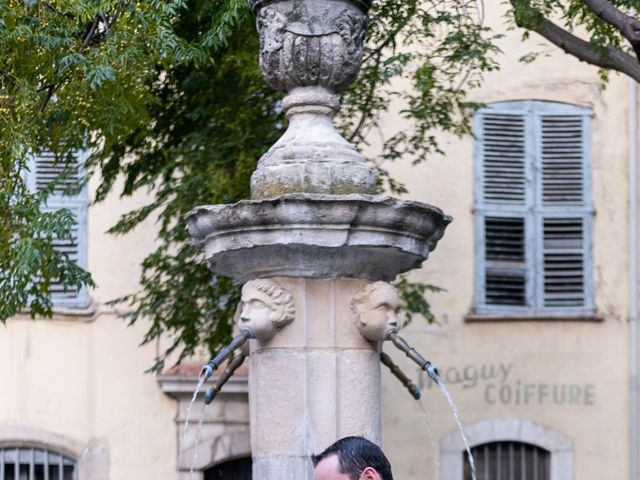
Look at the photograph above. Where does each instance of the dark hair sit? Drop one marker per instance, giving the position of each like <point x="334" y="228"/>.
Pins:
<point x="355" y="454"/>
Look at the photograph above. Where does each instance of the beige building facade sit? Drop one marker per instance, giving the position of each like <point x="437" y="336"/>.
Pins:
<point x="558" y="380"/>
<point x="545" y="389"/>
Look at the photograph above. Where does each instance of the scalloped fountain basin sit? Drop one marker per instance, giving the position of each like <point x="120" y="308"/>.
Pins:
<point x="286" y="236"/>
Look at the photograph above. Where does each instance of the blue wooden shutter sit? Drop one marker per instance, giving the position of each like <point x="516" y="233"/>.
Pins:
<point x="563" y="262"/>
<point x="562" y="158"/>
<point x="533" y="208"/>
<point x="502" y="205"/>
<point x="505" y="261"/>
<point x="67" y="193"/>
<point x="503" y="159"/>
<point x="564" y="208"/>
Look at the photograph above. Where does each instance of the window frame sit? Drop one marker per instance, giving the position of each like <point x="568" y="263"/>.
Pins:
<point x="513" y="429"/>
<point x="92" y="458"/>
<point x="532" y="211"/>
<point x="508" y="450"/>
<point x="64" y="460"/>
<point x="76" y="203"/>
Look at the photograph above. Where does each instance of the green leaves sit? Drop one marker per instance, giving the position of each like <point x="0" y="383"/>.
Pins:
<point x="100" y="74"/>
<point x="213" y="120"/>
<point x="74" y="75"/>
<point x="444" y="49"/>
<point x="413" y="294"/>
<point x="29" y="264"/>
<point x="600" y="33"/>
<point x="167" y="96"/>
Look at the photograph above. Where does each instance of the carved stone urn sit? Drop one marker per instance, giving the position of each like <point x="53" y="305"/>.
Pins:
<point x="312" y="51"/>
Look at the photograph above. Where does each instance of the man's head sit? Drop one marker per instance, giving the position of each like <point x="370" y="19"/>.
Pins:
<point x="352" y="458"/>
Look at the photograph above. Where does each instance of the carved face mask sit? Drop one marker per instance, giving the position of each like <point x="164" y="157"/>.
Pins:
<point x="266" y="308"/>
<point x="377" y="311"/>
<point x="256" y="314"/>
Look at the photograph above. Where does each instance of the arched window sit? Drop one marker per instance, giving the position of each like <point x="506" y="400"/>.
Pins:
<point x="239" y="469"/>
<point x="509" y="461"/>
<point x="21" y="463"/>
<point x="499" y="441"/>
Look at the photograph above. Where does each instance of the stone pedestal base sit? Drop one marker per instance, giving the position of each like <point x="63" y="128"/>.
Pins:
<point x="316" y="381"/>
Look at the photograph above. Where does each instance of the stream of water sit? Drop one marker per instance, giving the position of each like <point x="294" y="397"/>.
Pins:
<point x="201" y="381"/>
<point x="432" y="438"/>
<point x="194" y="458"/>
<point x="456" y="416"/>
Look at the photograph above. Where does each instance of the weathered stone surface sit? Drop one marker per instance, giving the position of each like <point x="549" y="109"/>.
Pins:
<point x="315" y="381"/>
<point x="311" y="156"/>
<point x="317" y="236"/>
<point x="375" y="308"/>
<point x="313" y="51"/>
<point x="315" y="230"/>
<point x="266" y="309"/>
<point x="305" y="43"/>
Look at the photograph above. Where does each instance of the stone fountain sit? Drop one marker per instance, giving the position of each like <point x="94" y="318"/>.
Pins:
<point x="315" y="235"/>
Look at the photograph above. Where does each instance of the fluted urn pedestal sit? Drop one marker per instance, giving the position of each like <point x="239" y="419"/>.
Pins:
<point x="314" y="229"/>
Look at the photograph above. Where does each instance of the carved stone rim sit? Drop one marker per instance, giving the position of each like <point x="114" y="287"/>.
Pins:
<point x="317" y="236"/>
<point x="207" y="219"/>
<point x="256" y="5"/>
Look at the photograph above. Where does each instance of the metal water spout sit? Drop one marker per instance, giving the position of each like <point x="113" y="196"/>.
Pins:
<point x="400" y="375"/>
<point x="211" y="392"/>
<point x="213" y="364"/>
<point x="414" y="355"/>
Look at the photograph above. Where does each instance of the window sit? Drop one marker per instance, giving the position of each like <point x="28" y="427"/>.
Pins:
<point x="239" y="469"/>
<point x="44" y="169"/>
<point x="499" y="441"/>
<point x="509" y="461"/>
<point x="35" y="464"/>
<point x="533" y="209"/>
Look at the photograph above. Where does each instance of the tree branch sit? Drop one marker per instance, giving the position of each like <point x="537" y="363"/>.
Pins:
<point x="627" y="25"/>
<point x="613" y="58"/>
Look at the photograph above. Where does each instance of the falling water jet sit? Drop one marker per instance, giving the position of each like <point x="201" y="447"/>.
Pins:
<point x="416" y="394"/>
<point x="201" y="381"/>
<point x="195" y="443"/>
<point x="206" y="373"/>
<point x="433" y="373"/>
<point x="454" y="409"/>
<point x="432" y="438"/>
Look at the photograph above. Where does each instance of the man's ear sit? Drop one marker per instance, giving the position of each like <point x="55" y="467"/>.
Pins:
<point x="370" y="474"/>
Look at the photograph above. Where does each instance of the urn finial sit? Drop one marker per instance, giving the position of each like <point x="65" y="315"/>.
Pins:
<point x="365" y="5"/>
<point x="312" y="50"/>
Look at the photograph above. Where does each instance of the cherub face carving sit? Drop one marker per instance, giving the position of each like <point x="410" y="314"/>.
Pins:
<point x="376" y="307"/>
<point x="266" y="308"/>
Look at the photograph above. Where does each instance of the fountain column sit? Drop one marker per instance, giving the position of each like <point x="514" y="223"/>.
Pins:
<point x="316" y="232"/>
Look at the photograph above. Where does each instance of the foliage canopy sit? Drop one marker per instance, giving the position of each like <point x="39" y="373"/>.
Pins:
<point x="167" y="96"/>
<point x="604" y="33"/>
